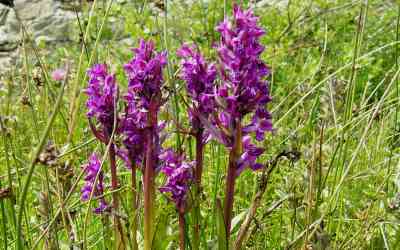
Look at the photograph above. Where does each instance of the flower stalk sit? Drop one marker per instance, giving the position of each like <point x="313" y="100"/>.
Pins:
<point x="179" y="177"/>
<point x="198" y="171"/>
<point x="182" y="231"/>
<point x="243" y="92"/>
<point x="120" y="242"/>
<point x="199" y="160"/>
<point x="144" y="101"/>
<point x="134" y="203"/>
<point x="231" y="178"/>
<point x="149" y="181"/>
<point x="103" y="96"/>
<point x="199" y="77"/>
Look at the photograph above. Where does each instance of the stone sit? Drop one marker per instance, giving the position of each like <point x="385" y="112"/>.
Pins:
<point x="46" y="21"/>
<point x="280" y="4"/>
<point x="45" y="18"/>
<point x="9" y="29"/>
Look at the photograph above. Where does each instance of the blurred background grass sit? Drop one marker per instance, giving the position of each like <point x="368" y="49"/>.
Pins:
<point x="335" y="95"/>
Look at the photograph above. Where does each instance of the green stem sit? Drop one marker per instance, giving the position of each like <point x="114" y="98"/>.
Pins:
<point x="10" y="185"/>
<point x="3" y="222"/>
<point x="170" y="75"/>
<point x="106" y="232"/>
<point x="33" y="164"/>
<point x="215" y="153"/>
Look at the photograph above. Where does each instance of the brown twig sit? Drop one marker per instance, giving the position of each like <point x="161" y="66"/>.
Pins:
<point x="81" y="35"/>
<point x="5" y="193"/>
<point x="268" y="212"/>
<point x="262" y="187"/>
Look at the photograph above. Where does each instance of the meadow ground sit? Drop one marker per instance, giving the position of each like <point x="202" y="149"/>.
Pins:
<point x="335" y="110"/>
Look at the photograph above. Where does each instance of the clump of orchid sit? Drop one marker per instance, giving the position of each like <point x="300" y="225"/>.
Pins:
<point x="179" y="177"/>
<point x="102" y="91"/>
<point x="144" y="100"/>
<point x="103" y="117"/>
<point x="94" y="184"/>
<point x="225" y="101"/>
<point x="243" y="92"/>
<point x="199" y="77"/>
<point x="132" y="153"/>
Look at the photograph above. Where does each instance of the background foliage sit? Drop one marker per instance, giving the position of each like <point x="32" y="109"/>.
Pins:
<point x="336" y="99"/>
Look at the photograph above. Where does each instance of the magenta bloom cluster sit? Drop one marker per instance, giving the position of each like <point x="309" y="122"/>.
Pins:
<point x="249" y="156"/>
<point x="237" y="99"/>
<point x="243" y="90"/>
<point x="199" y="77"/>
<point x="92" y="169"/>
<point x="145" y="80"/>
<point x="226" y="100"/>
<point x="133" y="141"/>
<point x="103" y="96"/>
<point x="144" y="73"/>
<point x="179" y="175"/>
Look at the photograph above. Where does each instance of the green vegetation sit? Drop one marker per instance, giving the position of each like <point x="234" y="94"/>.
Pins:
<point x="336" y="110"/>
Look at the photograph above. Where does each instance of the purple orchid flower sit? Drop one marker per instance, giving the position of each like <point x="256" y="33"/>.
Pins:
<point x="102" y="100"/>
<point x="199" y="77"/>
<point x="144" y="100"/>
<point x="179" y="176"/>
<point x="145" y="80"/>
<point x="243" y="92"/>
<point x="92" y="169"/>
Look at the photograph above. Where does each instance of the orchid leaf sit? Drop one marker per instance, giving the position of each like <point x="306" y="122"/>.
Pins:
<point x="161" y="239"/>
<point x="221" y="231"/>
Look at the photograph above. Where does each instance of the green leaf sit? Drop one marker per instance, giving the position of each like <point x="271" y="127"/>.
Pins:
<point x="161" y="238"/>
<point x="237" y="219"/>
<point x="222" y="243"/>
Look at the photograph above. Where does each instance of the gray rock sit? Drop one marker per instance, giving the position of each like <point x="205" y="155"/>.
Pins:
<point x="280" y="4"/>
<point x="7" y="59"/>
<point x="9" y="29"/>
<point x="45" y="18"/>
<point x="46" y="21"/>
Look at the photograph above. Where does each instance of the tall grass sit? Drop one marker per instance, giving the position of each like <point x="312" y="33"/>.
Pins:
<point x="335" y="88"/>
